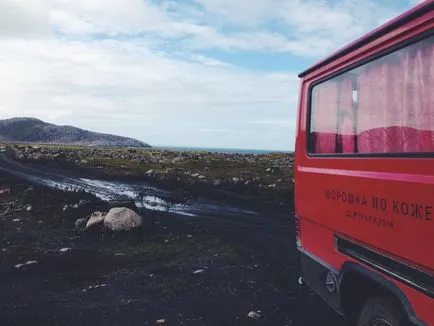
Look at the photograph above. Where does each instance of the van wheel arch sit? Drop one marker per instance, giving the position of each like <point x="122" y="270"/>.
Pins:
<point x="357" y="278"/>
<point x="381" y="311"/>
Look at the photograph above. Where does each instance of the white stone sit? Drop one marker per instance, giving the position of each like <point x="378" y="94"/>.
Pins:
<point x="254" y="315"/>
<point x="121" y="219"/>
<point x="199" y="271"/>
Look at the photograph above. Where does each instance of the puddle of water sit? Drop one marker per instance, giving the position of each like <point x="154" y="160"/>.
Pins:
<point x="140" y="193"/>
<point x="144" y="195"/>
<point x="107" y="190"/>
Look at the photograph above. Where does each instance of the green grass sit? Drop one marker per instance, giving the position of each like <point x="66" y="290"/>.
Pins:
<point x="169" y="250"/>
<point x="212" y="166"/>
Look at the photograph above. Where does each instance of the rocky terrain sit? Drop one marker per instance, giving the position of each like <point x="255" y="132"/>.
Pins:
<point x="69" y="258"/>
<point x="83" y="240"/>
<point x="251" y="178"/>
<point x="31" y="130"/>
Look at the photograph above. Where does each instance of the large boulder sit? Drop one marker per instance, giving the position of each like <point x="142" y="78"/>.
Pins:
<point x="122" y="219"/>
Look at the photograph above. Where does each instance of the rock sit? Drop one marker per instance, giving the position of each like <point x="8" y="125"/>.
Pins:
<point x="149" y="172"/>
<point x="195" y="175"/>
<point x="217" y="183"/>
<point x="91" y="287"/>
<point x="80" y="223"/>
<point x="75" y="206"/>
<point x="65" y="249"/>
<point x="199" y="271"/>
<point x="95" y="218"/>
<point x="16" y="220"/>
<point x="82" y="202"/>
<point x="5" y="191"/>
<point x="29" y="262"/>
<point x="29" y="208"/>
<point x="65" y="208"/>
<point x="235" y="179"/>
<point x="254" y="315"/>
<point x="121" y="219"/>
<point x="161" y="321"/>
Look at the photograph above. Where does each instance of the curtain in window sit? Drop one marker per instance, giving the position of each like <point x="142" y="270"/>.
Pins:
<point x="379" y="109"/>
<point x="346" y="117"/>
<point x="419" y="100"/>
<point x="396" y="109"/>
<point x="323" y="117"/>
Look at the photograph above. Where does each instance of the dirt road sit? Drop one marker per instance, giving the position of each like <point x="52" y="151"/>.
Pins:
<point x="210" y="267"/>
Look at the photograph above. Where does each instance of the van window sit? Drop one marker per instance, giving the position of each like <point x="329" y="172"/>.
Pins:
<point x="384" y="106"/>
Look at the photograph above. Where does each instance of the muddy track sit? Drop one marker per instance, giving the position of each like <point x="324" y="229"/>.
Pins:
<point x="249" y="257"/>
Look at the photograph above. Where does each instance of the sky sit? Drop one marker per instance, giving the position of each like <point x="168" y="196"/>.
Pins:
<point x="202" y="73"/>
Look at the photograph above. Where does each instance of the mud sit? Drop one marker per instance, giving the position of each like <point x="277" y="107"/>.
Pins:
<point x="212" y="267"/>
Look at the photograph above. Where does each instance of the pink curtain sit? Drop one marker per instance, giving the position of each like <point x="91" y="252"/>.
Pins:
<point x="380" y="86"/>
<point x="323" y="117"/>
<point x="419" y="101"/>
<point x="346" y="114"/>
<point x="396" y="104"/>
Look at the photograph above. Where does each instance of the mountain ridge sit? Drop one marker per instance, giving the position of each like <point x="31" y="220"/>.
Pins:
<point x="33" y="130"/>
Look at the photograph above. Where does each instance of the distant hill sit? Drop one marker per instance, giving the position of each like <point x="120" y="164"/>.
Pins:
<point x="31" y="130"/>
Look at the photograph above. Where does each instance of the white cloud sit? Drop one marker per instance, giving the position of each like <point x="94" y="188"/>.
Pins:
<point x="252" y="12"/>
<point x="110" y="87"/>
<point x="24" y="19"/>
<point x="304" y="27"/>
<point x="325" y="26"/>
<point x="416" y="2"/>
<point x="110" y="17"/>
<point x="282" y="122"/>
<point x="214" y="130"/>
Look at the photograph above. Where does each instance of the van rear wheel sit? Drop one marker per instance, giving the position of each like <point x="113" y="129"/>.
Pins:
<point x="380" y="312"/>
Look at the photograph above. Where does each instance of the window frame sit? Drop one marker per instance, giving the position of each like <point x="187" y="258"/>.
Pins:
<point x="413" y="40"/>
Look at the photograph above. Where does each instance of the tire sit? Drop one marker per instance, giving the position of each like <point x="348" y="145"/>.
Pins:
<point x="380" y="312"/>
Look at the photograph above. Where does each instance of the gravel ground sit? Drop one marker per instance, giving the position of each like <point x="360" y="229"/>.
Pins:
<point x="209" y="269"/>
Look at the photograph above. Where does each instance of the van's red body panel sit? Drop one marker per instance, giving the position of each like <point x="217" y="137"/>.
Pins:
<point x="393" y="207"/>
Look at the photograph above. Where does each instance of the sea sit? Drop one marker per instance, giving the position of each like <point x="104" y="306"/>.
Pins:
<point x="221" y="150"/>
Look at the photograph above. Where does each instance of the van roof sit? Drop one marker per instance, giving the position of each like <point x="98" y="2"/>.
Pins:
<point x="379" y="31"/>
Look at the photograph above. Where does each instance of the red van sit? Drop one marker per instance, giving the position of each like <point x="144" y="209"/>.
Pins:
<point x="364" y="174"/>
